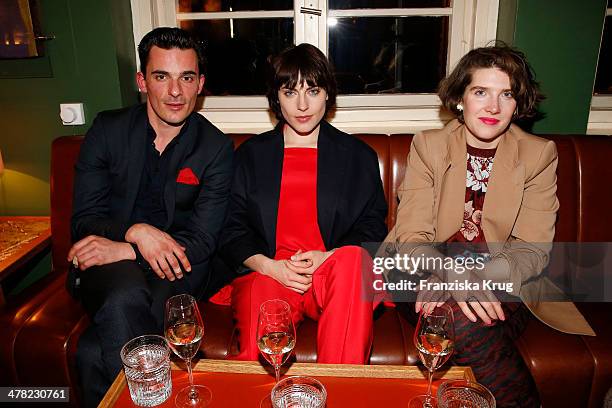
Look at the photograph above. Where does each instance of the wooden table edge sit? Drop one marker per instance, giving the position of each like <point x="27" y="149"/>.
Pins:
<point x="25" y="252"/>
<point x="114" y="391"/>
<point x="28" y="250"/>
<point x="311" y="369"/>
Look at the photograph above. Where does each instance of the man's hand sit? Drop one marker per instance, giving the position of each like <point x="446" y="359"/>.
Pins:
<point x="308" y="262"/>
<point x="160" y="250"/>
<point x="94" y="250"/>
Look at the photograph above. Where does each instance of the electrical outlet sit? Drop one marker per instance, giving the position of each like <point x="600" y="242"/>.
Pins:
<point x="72" y="114"/>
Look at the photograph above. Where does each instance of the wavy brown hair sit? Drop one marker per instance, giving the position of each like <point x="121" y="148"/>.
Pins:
<point x="305" y="63"/>
<point x="525" y="89"/>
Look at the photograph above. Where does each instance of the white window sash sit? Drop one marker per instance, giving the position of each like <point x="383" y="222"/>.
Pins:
<point x="392" y="12"/>
<point x="228" y="15"/>
<point x="472" y="23"/>
<point x="600" y="114"/>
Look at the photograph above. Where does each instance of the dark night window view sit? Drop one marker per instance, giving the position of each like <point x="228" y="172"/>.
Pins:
<point x="603" y="80"/>
<point x="371" y="55"/>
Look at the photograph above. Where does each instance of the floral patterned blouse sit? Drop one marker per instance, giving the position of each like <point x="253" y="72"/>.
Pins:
<point x="479" y="166"/>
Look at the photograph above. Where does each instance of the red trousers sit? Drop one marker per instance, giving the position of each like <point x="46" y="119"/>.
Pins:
<point x="339" y="298"/>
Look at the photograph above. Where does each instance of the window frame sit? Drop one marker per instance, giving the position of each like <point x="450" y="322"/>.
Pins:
<point x="473" y="23"/>
<point x="600" y="113"/>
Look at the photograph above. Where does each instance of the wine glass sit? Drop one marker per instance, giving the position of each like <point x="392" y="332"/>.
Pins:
<point x="275" y="333"/>
<point x="434" y="338"/>
<point x="184" y="330"/>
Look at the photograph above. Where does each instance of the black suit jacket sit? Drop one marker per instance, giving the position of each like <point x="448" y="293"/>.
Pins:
<point x="108" y="174"/>
<point x="351" y="204"/>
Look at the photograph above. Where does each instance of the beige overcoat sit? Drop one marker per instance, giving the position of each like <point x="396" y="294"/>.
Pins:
<point x="518" y="217"/>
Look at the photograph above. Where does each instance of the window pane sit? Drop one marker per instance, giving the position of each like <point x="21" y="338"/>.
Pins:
<point x="362" y="4"/>
<point x="237" y="64"/>
<point x="195" y="6"/>
<point x="603" y="80"/>
<point x="398" y="54"/>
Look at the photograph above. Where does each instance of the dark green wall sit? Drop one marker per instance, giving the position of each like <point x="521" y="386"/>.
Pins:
<point x="561" y="40"/>
<point x="90" y="62"/>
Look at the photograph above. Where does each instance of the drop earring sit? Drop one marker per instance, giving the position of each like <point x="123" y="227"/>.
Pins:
<point x="460" y="107"/>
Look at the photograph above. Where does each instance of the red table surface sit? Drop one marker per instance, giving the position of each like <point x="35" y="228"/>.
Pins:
<point x="248" y="390"/>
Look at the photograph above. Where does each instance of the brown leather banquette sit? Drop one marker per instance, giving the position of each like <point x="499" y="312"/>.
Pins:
<point x="41" y="326"/>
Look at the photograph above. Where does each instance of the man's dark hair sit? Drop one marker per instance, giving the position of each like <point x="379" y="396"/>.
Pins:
<point x="305" y="63"/>
<point x="168" y="38"/>
<point x="513" y="62"/>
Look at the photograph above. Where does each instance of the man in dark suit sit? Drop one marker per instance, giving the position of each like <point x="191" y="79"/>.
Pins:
<point x="150" y="196"/>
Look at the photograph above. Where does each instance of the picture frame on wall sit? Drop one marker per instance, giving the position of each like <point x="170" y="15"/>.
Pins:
<point x="19" y="30"/>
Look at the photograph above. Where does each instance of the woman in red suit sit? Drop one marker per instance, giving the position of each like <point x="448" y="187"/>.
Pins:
<point x="305" y="196"/>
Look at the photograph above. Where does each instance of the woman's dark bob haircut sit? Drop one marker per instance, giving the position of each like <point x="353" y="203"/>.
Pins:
<point x="303" y="63"/>
<point x="525" y="89"/>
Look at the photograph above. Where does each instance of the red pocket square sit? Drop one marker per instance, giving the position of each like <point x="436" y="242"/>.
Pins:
<point x="186" y="176"/>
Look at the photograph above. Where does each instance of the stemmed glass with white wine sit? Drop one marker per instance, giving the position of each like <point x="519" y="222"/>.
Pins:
<point x="275" y="333"/>
<point x="184" y="330"/>
<point x="434" y="338"/>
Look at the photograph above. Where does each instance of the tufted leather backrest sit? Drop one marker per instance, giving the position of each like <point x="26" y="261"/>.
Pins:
<point x="399" y="146"/>
<point x="380" y="144"/>
<point x="583" y="184"/>
<point x="64" y="153"/>
<point x="594" y="194"/>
